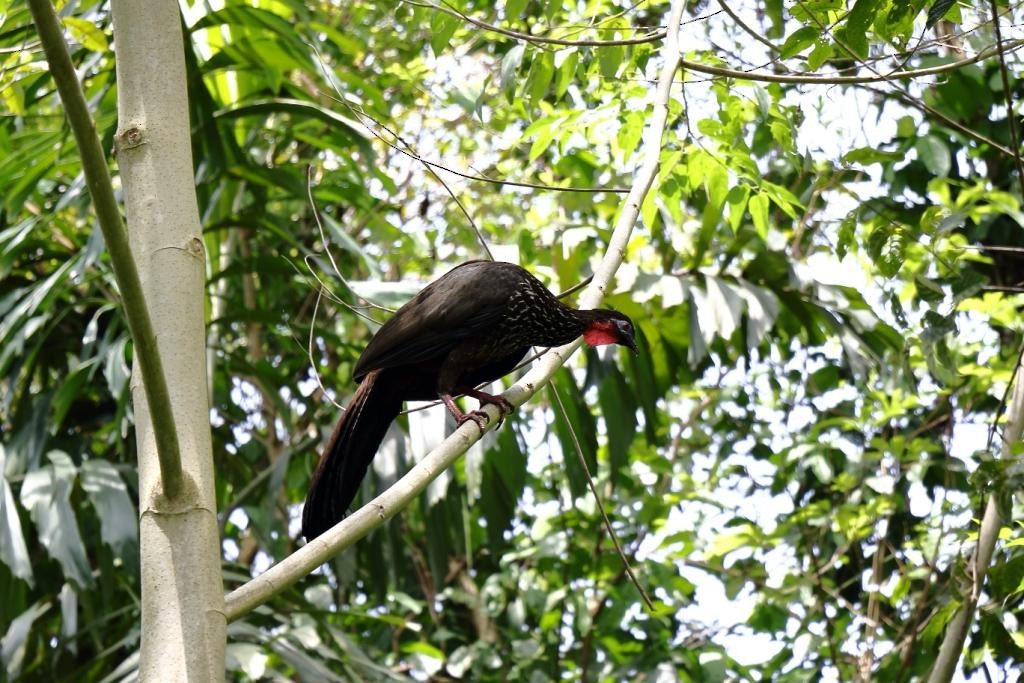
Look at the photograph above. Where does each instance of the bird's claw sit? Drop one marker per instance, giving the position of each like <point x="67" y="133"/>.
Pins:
<point x="477" y="416"/>
<point x="504" y="407"/>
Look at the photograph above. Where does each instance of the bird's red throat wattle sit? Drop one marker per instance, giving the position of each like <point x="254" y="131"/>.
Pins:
<point x="601" y="332"/>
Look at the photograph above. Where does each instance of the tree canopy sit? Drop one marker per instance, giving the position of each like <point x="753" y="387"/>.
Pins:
<point x="826" y="280"/>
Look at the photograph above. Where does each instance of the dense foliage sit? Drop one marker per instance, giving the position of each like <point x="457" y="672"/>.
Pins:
<point x="826" y="279"/>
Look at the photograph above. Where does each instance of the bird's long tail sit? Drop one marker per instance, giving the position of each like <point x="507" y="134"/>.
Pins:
<point x="349" y="452"/>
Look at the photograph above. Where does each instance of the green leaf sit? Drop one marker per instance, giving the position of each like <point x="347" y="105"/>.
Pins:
<point x="768" y="617"/>
<point x="847" y="233"/>
<point x="823" y="380"/>
<point x="758" y="207"/>
<point x="109" y="496"/>
<point x="510" y="65"/>
<point x="46" y="492"/>
<point x="934" y="155"/>
<point x="887" y="246"/>
<point x="857" y="23"/>
<point x="822" y="51"/>
<point x="609" y="59"/>
<point x="13" y="551"/>
<point x="351" y="131"/>
<point x="725" y="543"/>
<point x="115" y="369"/>
<point x="545" y="135"/>
<point x="442" y="28"/>
<point x="937" y="11"/>
<point x="86" y="33"/>
<point x="16" y="637"/>
<point x="514" y="9"/>
<point x="565" y="62"/>
<point x="649" y="210"/>
<point x="935" y="345"/>
<point x="798" y="41"/>
<point x="539" y="80"/>
<point x="870" y="155"/>
<point x="737" y="201"/>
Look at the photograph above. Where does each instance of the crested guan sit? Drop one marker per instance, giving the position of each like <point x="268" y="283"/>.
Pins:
<point x="472" y="325"/>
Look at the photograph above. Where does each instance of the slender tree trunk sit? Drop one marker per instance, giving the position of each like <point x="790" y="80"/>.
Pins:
<point x="183" y="625"/>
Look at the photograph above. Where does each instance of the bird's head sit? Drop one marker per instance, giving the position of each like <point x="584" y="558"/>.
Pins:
<point x="610" y="327"/>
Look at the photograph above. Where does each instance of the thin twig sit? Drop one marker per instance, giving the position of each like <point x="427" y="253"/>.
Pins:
<point x="747" y="29"/>
<point x="360" y="112"/>
<point x="430" y="169"/>
<point x="309" y="350"/>
<point x="575" y="288"/>
<point x="538" y="40"/>
<point x="108" y="214"/>
<point x="768" y="77"/>
<point x="905" y="96"/>
<point x="1011" y="120"/>
<point x="597" y="499"/>
<point x="327" y="244"/>
<point x="341" y="302"/>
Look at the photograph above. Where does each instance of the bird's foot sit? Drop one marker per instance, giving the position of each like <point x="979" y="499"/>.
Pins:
<point x="503" y="404"/>
<point x="461" y="418"/>
<point x="477" y="416"/>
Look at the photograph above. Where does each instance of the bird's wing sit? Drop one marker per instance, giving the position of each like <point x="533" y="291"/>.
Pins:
<point x="468" y="300"/>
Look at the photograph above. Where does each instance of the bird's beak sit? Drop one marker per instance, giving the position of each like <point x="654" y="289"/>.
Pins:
<point x="626" y="336"/>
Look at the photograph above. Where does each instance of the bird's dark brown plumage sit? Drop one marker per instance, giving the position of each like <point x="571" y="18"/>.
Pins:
<point x="472" y="325"/>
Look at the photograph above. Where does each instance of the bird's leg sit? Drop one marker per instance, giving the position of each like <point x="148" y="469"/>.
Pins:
<point x="479" y="417"/>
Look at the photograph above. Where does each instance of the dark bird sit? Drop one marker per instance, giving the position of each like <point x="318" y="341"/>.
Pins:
<point x="472" y="325"/>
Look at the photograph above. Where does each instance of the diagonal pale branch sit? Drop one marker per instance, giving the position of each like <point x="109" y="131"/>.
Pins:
<point x="372" y="515"/>
<point x="960" y="625"/>
<point x="877" y="77"/>
<point x="97" y="178"/>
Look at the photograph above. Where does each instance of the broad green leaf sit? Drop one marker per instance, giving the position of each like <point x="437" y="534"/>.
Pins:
<point x="545" y="135"/>
<point x="610" y="58"/>
<point x="12" y="647"/>
<point x="13" y="551"/>
<point x="353" y="129"/>
<point x="857" y="23"/>
<point x="86" y="33"/>
<point x="870" y="155"/>
<point x="934" y="154"/>
<point x="442" y="28"/>
<point x="514" y="9"/>
<point x="539" y="79"/>
<point x="937" y="11"/>
<point x="46" y="493"/>
<point x="565" y="62"/>
<point x="821" y="53"/>
<point x="109" y="496"/>
<point x="510" y="66"/>
<point x="737" y="201"/>
<point x="798" y="41"/>
<point x="758" y="207"/>
<point x="729" y="542"/>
